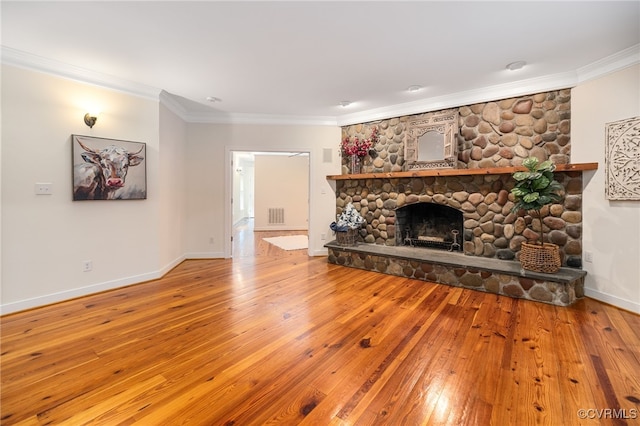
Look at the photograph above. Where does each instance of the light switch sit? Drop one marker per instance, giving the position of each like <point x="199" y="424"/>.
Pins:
<point x="44" y="188"/>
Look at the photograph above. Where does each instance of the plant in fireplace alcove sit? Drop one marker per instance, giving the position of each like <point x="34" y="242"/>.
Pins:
<point x="535" y="189"/>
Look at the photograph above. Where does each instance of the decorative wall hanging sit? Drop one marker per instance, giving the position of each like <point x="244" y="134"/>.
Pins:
<point x="622" y="160"/>
<point x="430" y="142"/>
<point x="108" y="169"/>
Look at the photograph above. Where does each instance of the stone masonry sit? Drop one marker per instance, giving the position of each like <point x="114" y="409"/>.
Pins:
<point x="560" y="289"/>
<point x="491" y="134"/>
<point x="491" y="229"/>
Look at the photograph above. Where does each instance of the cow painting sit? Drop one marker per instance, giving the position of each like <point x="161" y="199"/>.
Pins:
<point x="101" y="168"/>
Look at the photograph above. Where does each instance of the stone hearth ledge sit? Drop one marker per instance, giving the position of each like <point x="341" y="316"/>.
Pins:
<point x="505" y="277"/>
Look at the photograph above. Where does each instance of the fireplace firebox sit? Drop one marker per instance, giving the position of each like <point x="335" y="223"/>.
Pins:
<point x="429" y="225"/>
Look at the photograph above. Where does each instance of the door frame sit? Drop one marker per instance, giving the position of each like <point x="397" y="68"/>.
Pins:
<point x="228" y="191"/>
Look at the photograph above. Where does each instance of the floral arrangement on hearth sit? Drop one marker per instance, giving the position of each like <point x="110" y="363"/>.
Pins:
<point x="350" y="218"/>
<point x="359" y="147"/>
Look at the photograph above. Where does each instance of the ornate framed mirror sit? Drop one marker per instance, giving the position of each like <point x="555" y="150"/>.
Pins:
<point x="430" y="141"/>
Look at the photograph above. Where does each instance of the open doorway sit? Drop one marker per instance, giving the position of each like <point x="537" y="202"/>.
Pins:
<point x="243" y="196"/>
<point x="269" y="195"/>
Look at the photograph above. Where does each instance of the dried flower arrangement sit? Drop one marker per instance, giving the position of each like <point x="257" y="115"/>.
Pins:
<point x="359" y="147"/>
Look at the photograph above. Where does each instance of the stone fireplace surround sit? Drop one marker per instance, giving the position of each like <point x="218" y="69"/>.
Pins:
<point x="492" y="140"/>
<point x="490" y="228"/>
<point x="502" y="277"/>
<point x="491" y="234"/>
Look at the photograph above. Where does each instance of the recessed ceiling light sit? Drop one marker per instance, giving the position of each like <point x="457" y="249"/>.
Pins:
<point x="213" y="99"/>
<point x="516" y="65"/>
<point x="414" y="88"/>
<point x="345" y="104"/>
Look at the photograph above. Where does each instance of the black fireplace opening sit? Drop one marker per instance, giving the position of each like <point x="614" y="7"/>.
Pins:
<point x="429" y="225"/>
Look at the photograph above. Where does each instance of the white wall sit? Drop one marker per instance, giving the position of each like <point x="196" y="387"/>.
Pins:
<point x="611" y="228"/>
<point x="209" y="158"/>
<point x="172" y="181"/>
<point x="282" y="181"/>
<point x="45" y="238"/>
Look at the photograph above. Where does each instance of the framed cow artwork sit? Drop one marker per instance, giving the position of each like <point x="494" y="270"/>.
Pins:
<point x="108" y="169"/>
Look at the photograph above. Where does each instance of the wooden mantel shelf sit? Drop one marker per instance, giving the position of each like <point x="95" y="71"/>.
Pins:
<point x="459" y="172"/>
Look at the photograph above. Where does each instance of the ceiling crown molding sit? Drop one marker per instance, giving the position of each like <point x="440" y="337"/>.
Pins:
<point x="613" y="63"/>
<point x="216" y="117"/>
<point x="172" y="105"/>
<point x="236" y="118"/>
<point x="470" y="97"/>
<point x="29" y="61"/>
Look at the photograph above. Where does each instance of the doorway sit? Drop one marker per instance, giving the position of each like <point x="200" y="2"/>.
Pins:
<point x="269" y="193"/>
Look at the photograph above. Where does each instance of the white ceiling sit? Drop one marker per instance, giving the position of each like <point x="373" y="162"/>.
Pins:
<point x="295" y="61"/>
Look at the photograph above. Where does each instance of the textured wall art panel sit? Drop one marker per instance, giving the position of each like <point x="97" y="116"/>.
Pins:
<point x="622" y="160"/>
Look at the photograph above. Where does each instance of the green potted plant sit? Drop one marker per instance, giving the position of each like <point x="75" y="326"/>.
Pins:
<point x="534" y="189"/>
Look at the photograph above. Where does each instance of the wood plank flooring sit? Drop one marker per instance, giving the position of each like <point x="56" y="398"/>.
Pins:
<point x="276" y="337"/>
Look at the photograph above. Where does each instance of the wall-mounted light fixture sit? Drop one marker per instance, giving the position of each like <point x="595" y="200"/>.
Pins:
<point x="90" y="119"/>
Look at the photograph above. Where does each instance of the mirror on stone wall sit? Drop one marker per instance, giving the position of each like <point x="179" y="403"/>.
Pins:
<point x="430" y="141"/>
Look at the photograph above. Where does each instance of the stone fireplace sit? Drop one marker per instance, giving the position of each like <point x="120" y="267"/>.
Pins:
<point x="410" y="216"/>
<point x="456" y="226"/>
<point x="479" y="200"/>
<point x="429" y="225"/>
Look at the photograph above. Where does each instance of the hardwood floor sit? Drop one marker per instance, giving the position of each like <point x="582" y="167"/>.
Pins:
<point x="278" y="337"/>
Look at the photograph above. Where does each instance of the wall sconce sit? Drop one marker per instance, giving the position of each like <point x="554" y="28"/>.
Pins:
<point x="90" y="119"/>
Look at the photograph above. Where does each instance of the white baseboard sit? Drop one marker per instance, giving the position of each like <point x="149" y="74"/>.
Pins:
<point x="280" y="228"/>
<point x="613" y="300"/>
<point x="62" y="296"/>
<point x="171" y="265"/>
<point x="320" y="252"/>
<point x="48" y="299"/>
<point x="205" y="255"/>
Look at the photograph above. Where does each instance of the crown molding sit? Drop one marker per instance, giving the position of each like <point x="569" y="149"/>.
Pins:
<point x="170" y="101"/>
<point x="616" y="62"/>
<point x="613" y="63"/>
<point x="600" y="68"/>
<point x="491" y="93"/>
<point x="235" y="118"/>
<point x="172" y="105"/>
<point x="32" y="62"/>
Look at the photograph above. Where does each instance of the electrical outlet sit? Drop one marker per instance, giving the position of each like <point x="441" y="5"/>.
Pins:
<point x="43" y="188"/>
<point x="323" y="237"/>
<point x="211" y="240"/>
<point x="87" y="266"/>
<point x="588" y="256"/>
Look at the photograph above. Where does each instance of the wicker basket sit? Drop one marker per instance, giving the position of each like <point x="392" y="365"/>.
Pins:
<point x="346" y="238"/>
<point x="540" y="258"/>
